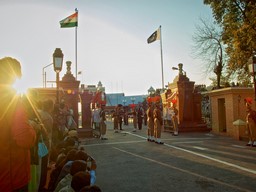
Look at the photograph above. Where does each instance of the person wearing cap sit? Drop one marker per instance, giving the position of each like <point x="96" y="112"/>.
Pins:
<point x="134" y="117"/>
<point x="103" y="126"/>
<point x="96" y="119"/>
<point x="250" y="123"/>
<point x="174" y="114"/>
<point x="17" y="136"/>
<point x="158" y="122"/>
<point x="150" y="120"/>
<point x="140" y="113"/>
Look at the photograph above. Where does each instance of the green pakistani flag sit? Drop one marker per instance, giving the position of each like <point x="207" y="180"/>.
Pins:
<point x="155" y="36"/>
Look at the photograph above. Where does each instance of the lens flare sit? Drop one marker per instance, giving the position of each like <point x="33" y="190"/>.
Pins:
<point x="20" y="86"/>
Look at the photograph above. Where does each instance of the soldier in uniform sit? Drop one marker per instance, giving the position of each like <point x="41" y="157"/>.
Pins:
<point x="150" y="120"/>
<point x="103" y="126"/>
<point x="140" y="113"/>
<point x="250" y="123"/>
<point x="115" y="117"/>
<point x="158" y="123"/>
<point x="174" y="113"/>
<point x="134" y="117"/>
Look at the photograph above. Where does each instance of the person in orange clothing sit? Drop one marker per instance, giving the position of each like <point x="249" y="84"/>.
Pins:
<point x="174" y="114"/>
<point x="250" y="123"/>
<point x="134" y="117"/>
<point x="17" y="136"/>
<point x="150" y="120"/>
<point x="158" y="123"/>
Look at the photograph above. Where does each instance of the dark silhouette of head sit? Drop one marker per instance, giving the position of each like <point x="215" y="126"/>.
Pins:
<point x="80" y="180"/>
<point x="10" y="70"/>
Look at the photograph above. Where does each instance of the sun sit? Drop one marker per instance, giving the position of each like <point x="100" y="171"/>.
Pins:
<point x="20" y="86"/>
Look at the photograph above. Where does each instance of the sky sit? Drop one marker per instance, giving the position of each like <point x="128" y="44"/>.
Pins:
<point x="111" y="41"/>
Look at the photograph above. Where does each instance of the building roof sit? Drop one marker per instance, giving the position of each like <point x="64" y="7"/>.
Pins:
<point x="114" y="99"/>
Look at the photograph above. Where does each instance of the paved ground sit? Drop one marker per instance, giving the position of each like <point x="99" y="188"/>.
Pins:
<point x="198" y="162"/>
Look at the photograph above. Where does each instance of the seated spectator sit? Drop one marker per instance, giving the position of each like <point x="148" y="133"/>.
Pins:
<point x="61" y="156"/>
<point x="80" y="155"/>
<point x="77" y="165"/>
<point x="79" y="180"/>
<point x="55" y="173"/>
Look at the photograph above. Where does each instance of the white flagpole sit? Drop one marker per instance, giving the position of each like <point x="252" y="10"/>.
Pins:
<point x="161" y="58"/>
<point x="76" y="44"/>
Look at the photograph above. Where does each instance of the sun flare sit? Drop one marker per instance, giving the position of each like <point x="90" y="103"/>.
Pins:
<point x="20" y="86"/>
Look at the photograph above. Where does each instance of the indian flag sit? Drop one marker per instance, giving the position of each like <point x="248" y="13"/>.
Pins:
<point x="70" y="21"/>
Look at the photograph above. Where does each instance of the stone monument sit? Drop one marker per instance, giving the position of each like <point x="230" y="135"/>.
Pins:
<point x="188" y="102"/>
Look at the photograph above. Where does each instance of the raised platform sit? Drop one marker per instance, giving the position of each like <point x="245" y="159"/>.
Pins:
<point x="193" y="127"/>
<point x="189" y="127"/>
<point x="85" y="132"/>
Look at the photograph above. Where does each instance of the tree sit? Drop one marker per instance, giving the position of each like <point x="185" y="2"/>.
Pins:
<point x="237" y="19"/>
<point x="209" y="47"/>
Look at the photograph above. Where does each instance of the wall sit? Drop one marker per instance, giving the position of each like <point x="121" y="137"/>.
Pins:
<point x="234" y="109"/>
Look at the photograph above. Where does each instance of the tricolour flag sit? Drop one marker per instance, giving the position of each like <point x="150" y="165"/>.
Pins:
<point x="155" y="36"/>
<point x="70" y="21"/>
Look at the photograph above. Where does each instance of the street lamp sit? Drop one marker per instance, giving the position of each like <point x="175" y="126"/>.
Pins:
<point x="57" y="64"/>
<point x="252" y="70"/>
<point x="44" y="74"/>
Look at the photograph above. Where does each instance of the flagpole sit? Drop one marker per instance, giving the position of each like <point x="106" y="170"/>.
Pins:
<point x="76" y="44"/>
<point x="161" y="58"/>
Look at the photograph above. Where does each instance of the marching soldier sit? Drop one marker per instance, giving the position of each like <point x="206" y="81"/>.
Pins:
<point x="250" y="123"/>
<point x="103" y="126"/>
<point x="158" y="123"/>
<point x="150" y="121"/>
<point x="174" y="113"/>
<point x="115" y="117"/>
<point x="134" y="117"/>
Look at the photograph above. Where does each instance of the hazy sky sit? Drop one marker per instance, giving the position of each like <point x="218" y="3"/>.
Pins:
<point x="112" y="40"/>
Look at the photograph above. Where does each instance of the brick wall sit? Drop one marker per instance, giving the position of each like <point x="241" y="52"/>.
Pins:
<point x="227" y="106"/>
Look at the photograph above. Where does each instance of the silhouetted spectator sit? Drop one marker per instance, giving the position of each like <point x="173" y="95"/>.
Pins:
<point x="17" y="136"/>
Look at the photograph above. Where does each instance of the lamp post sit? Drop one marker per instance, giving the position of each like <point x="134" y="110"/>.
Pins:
<point x="252" y="70"/>
<point x="44" y="74"/>
<point x="57" y="64"/>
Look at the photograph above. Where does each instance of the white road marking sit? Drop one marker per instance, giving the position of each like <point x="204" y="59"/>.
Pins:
<point x="214" y="159"/>
<point x="174" y="138"/>
<point x="201" y="148"/>
<point x="239" y="146"/>
<point x="208" y="157"/>
<point x="186" y="142"/>
<point x="184" y="171"/>
<point x="181" y="149"/>
<point x="112" y="143"/>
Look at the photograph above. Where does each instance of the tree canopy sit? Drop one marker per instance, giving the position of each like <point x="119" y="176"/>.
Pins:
<point x="238" y="21"/>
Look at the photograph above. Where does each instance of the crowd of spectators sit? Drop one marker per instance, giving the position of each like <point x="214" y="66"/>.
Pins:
<point x="39" y="147"/>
